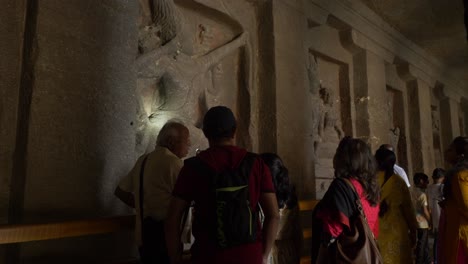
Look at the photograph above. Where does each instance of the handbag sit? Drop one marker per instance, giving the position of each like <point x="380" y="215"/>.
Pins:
<point x="358" y="245"/>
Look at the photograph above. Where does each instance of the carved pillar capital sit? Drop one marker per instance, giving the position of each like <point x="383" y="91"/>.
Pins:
<point x="316" y="16"/>
<point x="448" y="93"/>
<point x="355" y="41"/>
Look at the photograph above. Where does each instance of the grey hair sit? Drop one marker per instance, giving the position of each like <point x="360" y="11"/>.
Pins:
<point x="170" y="133"/>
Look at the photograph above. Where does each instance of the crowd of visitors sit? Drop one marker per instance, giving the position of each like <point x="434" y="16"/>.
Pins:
<point x="245" y="209"/>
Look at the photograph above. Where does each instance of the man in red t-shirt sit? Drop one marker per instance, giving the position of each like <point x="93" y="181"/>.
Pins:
<point x="219" y="127"/>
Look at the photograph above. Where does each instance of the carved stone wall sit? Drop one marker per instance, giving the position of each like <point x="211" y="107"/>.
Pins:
<point x="438" y="156"/>
<point x="208" y="60"/>
<point x="92" y="83"/>
<point x="397" y="125"/>
<point x="383" y="88"/>
<point x="397" y="89"/>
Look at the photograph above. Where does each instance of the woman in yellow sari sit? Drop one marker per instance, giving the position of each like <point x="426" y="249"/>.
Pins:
<point x="453" y="225"/>
<point x="397" y="227"/>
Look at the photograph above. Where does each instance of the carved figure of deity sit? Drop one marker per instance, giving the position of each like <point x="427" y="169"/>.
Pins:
<point x="173" y="73"/>
<point x="395" y="138"/>
<point x="330" y="122"/>
<point x="435" y="122"/>
<point x="317" y="104"/>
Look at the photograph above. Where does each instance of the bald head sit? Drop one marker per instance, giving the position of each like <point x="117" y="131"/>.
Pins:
<point x="176" y="137"/>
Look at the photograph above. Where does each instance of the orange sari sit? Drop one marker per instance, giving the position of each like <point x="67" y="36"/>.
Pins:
<point x="453" y="227"/>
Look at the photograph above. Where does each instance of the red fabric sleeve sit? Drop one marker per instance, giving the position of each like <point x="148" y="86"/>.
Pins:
<point x="332" y="226"/>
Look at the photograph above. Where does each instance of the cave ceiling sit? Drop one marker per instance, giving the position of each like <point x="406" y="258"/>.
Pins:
<point x="436" y="26"/>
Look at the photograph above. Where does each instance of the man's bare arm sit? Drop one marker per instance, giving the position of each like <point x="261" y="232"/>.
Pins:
<point x="270" y="226"/>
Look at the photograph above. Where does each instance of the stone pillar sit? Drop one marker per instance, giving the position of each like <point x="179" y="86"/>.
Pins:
<point x="449" y="117"/>
<point x="267" y="123"/>
<point x="372" y="119"/>
<point x="12" y="33"/>
<point x="293" y="100"/>
<point x="76" y="113"/>
<point x="421" y="138"/>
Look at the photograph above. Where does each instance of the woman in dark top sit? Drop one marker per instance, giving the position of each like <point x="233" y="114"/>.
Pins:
<point x="353" y="161"/>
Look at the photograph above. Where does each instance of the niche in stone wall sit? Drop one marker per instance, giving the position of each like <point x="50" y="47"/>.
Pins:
<point x="396" y="126"/>
<point x="332" y="121"/>
<point x="192" y="55"/>
<point x="330" y="86"/>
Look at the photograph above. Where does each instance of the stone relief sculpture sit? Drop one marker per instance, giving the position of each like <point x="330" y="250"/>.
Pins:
<point x="395" y="138"/>
<point x="436" y="136"/>
<point x="317" y="103"/>
<point x="330" y="123"/>
<point x="326" y="129"/>
<point x="168" y="73"/>
<point x="435" y="121"/>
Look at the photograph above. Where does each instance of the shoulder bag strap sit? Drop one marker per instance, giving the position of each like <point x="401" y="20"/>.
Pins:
<point x="360" y="208"/>
<point x="245" y="168"/>
<point x="358" y="201"/>
<point x="142" y="172"/>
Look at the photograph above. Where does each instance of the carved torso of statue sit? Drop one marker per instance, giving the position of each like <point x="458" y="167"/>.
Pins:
<point x="176" y="73"/>
<point x="172" y="77"/>
<point x="331" y="122"/>
<point x="317" y="103"/>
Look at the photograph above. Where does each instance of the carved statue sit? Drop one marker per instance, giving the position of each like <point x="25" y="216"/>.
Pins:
<point x="172" y="73"/>
<point x="330" y="118"/>
<point x="435" y="122"/>
<point x="317" y="104"/>
<point x="395" y="138"/>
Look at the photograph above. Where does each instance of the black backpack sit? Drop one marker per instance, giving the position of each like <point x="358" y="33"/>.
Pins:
<point x="236" y="220"/>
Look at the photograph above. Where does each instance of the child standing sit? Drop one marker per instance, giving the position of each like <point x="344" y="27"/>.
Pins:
<point x="423" y="217"/>
<point x="435" y="194"/>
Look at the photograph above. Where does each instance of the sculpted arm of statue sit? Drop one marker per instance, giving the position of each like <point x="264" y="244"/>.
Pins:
<point x="146" y="60"/>
<point x="212" y="58"/>
<point x="338" y="129"/>
<point x="314" y="83"/>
